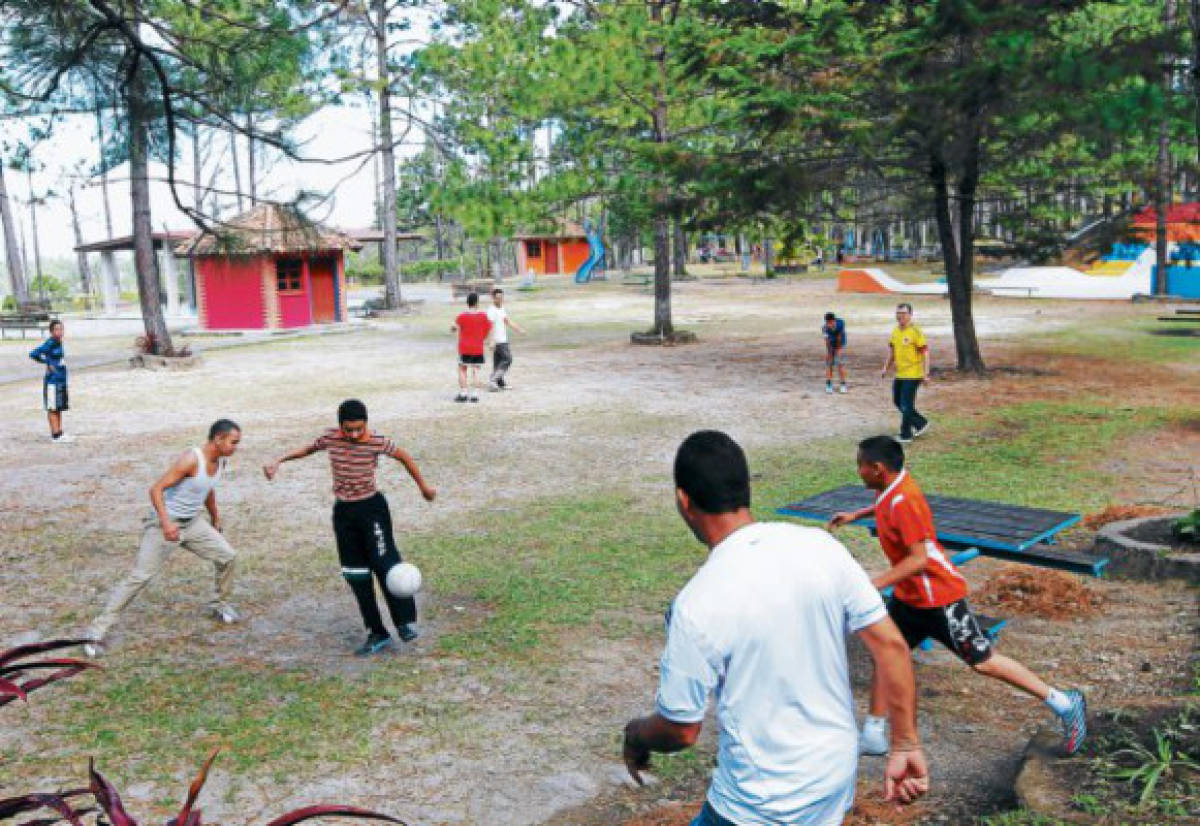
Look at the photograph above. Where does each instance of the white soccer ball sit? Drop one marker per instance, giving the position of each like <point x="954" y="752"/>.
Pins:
<point x="404" y="580"/>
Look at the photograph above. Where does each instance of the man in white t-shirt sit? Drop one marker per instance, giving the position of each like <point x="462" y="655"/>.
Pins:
<point x="763" y="625"/>
<point x="501" y="353"/>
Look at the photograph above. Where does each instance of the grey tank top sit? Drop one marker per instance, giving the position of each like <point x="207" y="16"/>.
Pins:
<point x="185" y="500"/>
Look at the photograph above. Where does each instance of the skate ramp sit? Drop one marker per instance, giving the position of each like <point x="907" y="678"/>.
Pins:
<point x="875" y="280"/>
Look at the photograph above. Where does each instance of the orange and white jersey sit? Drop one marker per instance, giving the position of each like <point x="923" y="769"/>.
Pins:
<point x="902" y="519"/>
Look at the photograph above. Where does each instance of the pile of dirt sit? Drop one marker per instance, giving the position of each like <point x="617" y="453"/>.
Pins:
<point x="1119" y="513"/>
<point x="673" y="814"/>
<point x="1040" y="593"/>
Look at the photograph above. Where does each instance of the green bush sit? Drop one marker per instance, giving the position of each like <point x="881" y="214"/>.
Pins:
<point x="1187" y="528"/>
<point x="52" y="287"/>
<point x="365" y="271"/>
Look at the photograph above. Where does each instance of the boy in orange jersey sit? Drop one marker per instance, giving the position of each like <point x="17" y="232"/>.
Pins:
<point x="930" y="597"/>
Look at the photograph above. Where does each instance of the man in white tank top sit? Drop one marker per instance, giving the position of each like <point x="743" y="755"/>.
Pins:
<point x="179" y="497"/>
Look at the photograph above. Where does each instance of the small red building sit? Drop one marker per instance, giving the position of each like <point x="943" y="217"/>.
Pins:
<point x="546" y="253"/>
<point x="269" y="268"/>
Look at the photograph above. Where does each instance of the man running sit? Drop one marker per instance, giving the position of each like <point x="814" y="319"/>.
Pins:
<point x="501" y="352"/>
<point x="930" y="597"/>
<point x="834" y="331"/>
<point x="188" y="487"/>
<point x="54" y="383"/>
<point x="472" y="327"/>
<point x="909" y="352"/>
<point x="362" y="522"/>
<point x="763" y="625"/>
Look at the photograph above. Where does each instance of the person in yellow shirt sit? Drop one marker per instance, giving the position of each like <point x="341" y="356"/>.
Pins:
<point x="909" y="352"/>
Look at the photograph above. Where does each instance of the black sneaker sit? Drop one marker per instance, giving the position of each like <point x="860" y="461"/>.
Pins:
<point x="461" y="397"/>
<point x="374" y="644"/>
<point x="407" y="632"/>
<point x="501" y="383"/>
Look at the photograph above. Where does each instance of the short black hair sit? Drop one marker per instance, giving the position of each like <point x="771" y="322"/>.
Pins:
<point x="222" y="426"/>
<point x="830" y="317"/>
<point x="54" y="322"/>
<point x="711" y="469"/>
<point x="352" y="410"/>
<point x="883" y="449"/>
<point x="472" y="299"/>
<point x="497" y="291"/>
<point x="905" y="306"/>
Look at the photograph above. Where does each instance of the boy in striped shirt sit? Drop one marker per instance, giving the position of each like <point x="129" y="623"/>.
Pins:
<point x="930" y="597"/>
<point x="362" y="522"/>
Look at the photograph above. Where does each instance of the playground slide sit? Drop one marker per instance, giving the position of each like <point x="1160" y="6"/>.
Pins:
<point x="595" y="256"/>
<point x="875" y="280"/>
<point x="1065" y="282"/>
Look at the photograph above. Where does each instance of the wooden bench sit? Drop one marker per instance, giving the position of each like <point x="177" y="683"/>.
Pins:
<point x="24" y="322"/>
<point x="461" y="289"/>
<point x="1183" y="314"/>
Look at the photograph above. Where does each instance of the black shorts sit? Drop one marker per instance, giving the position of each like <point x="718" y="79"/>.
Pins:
<point x="54" y="396"/>
<point x="953" y="625"/>
<point x="470" y="360"/>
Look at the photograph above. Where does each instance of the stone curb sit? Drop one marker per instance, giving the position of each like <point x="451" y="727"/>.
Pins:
<point x="1143" y="560"/>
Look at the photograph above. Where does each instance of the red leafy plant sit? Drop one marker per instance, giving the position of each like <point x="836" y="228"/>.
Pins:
<point x="17" y="670"/>
<point x="113" y="813"/>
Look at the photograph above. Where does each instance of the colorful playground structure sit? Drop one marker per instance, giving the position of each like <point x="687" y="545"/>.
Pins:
<point x="593" y="267"/>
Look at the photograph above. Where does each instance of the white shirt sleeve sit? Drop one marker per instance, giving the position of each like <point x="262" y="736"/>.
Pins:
<point x="686" y="674"/>
<point x="864" y="605"/>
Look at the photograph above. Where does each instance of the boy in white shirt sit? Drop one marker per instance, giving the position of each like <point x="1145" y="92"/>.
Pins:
<point x="501" y="353"/>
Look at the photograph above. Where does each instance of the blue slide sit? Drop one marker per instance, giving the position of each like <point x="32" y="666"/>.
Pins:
<point x="595" y="257"/>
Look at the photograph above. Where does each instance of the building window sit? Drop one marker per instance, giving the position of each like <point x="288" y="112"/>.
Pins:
<point x="288" y="273"/>
<point x="533" y="249"/>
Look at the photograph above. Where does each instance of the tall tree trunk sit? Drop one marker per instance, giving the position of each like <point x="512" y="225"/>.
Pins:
<point x="681" y="249"/>
<point x="1162" y="172"/>
<point x="251" y="172"/>
<point x="108" y="226"/>
<point x="663" y="326"/>
<point x="197" y="170"/>
<point x="957" y="260"/>
<point x="144" y="263"/>
<point x="391" y="277"/>
<point x="12" y="246"/>
<point x="85" y="271"/>
<point x="37" y="244"/>
<point x="237" y="171"/>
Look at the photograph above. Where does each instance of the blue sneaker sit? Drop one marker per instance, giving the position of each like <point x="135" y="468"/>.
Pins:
<point x="1074" y="723"/>
<point x="374" y="644"/>
<point x="408" y="632"/>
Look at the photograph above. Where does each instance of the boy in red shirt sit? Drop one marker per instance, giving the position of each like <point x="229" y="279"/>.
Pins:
<point x="930" y="594"/>
<point x="472" y="327"/>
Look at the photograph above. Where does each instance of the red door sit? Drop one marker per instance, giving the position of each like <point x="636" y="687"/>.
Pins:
<point x="322" y="274"/>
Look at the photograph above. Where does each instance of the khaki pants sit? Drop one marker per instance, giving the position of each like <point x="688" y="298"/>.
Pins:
<point x="197" y="536"/>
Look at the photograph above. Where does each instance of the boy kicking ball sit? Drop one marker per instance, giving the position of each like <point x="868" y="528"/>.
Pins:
<point x="362" y="523"/>
<point x="930" y="597"/>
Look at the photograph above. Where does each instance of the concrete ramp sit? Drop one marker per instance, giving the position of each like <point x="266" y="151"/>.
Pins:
<point x="875" y="280"/>
<point x="1065" y="282"/>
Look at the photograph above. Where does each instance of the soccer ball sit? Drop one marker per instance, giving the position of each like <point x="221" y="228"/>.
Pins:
<point x="404" y="580"/>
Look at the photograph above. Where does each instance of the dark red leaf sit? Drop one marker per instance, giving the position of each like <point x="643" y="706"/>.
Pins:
<point x="184" y="816"/>
<point x="11" y="689"/>
<point x="55" y="663"/>
<point x="13" y="806"/>
<point x="106" y="795"/>
<point x="36" y="648"/>
<point x="330" y="811"/>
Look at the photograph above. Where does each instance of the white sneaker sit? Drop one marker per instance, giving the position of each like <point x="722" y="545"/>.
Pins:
<point x="844" y="389"/>
<point x="873" y="741"/>
<point x="63" y="438"/>
<point x="225" y="614"/>
<point x="829" y="389"/>
<point x="93" y="650"/>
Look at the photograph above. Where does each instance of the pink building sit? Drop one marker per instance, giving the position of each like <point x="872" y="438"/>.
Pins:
<point x="269" y="268"/>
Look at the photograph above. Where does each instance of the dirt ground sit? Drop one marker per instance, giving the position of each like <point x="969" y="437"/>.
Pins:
<point x="589" y="413"/>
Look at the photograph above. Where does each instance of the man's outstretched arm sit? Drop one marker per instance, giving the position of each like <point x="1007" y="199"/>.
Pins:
<point x="645" y="735"/>
<point x="269" y="470"/>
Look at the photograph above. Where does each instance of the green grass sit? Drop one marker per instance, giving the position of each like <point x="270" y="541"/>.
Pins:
<point x="1136" y="339"/>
